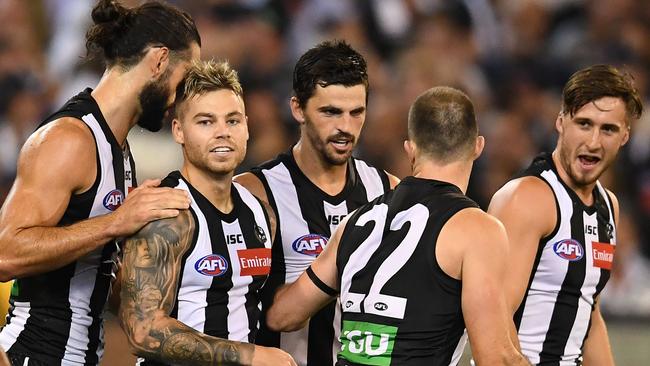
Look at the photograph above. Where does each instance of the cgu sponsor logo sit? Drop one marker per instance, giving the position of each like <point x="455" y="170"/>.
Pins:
<point x="367" y="343"/>
<point x="310" y="244"/>
<point x="212" y="265"/>
<point x="113" y="199"/>
<point x="568" y="249"/>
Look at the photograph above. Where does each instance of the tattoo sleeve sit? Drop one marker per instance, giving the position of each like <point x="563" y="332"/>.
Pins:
<point x="150" y="276"/>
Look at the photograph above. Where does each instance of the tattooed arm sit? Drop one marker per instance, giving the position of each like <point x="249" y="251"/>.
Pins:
<point x="150" y="276"/>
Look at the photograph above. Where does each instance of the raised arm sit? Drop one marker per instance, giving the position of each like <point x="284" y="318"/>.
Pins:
<point x="251" y="182"/>
<point x="295" y="303"/>
<point x="56" y="162"/>
<point x="150" y="276"/>
<point x="472" y="246"/>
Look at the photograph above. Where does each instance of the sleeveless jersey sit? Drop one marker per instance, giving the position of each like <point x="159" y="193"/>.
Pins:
<point x="57" y="317"/>
<point x="307" y="217"/>
<point x="225" y="267"/>
<point x="571" y="267"/>
<point x="399" y="306"/>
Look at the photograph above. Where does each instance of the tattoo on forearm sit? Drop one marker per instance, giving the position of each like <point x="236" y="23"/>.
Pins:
<point x="151" y="271"/>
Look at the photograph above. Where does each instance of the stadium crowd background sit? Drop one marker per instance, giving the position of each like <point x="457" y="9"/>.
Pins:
<point x="511" y="57"/>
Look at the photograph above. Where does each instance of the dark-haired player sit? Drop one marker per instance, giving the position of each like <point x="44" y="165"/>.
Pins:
<point x="562" y="223"/>
<point x="314" y="185"/>
<point x="69" y="201"/>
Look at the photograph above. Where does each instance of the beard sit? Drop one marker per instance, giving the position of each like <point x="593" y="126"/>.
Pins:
<point x="327" y="153"/>
<point x="153" y="103"/>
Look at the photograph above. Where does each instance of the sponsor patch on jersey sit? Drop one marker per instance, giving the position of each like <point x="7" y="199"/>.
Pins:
<point x="212" y="265"/>
<point x="113" y="199"/>
<point x="569" y="249"/>
<point x="367" y="343"/>
<point x="310" y="244"/>
<point x="602" y="255"/>
<point x="254" y="262"/>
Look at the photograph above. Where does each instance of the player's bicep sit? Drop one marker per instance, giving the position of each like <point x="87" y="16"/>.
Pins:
<point x="486" y="314"/>
<point x="152" y="263"/>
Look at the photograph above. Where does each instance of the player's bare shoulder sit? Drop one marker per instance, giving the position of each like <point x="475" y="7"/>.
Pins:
<point x="251" y="182"/>
<point x="64" y="145"/>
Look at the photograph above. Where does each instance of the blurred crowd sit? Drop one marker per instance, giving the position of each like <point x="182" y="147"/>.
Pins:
<point x="511" y="57"/>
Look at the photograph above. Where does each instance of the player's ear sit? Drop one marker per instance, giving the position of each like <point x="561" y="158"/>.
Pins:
<point x="558" y="122"/>
<point x="157" y="60"/>
<point x="479" y="146"/>
<point x="409" y="147"/>
<point x="177" y="131"/>
<point x="296" y="110"/>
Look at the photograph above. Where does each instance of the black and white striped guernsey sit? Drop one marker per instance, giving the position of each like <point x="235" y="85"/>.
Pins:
<point x="399" y="306"/>
<point x="57" y="317"/>
<point x="225" y="267"/>
<point x="307" y="216"/>
<point x="571" y="267"/>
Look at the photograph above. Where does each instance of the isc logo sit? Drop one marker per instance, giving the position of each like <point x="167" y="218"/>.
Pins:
<point x="113" y="199"/>
<point x="212" y="265"/>
<point x="310" y="244"/>
<point x="568" y="249"/>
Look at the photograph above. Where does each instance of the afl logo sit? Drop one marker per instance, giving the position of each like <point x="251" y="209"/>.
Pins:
<point x="310" y="244"/>
<point x="212" y="265"/>
<point x="568" y="249"/>
<point x="113" y="199"/>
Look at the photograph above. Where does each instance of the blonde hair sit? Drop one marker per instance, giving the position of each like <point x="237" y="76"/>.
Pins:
<point x="206" y="76"/>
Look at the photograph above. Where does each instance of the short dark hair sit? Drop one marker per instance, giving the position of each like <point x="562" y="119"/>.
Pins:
<point x="121" y="36"/>
<point x="442" y="123"/>
<point x="598" y="81"/>
<point x="328" y="63"/>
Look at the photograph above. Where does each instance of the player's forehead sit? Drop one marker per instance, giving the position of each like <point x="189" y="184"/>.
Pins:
<point x="340" y="96"/>
<point x="603" y="110"/>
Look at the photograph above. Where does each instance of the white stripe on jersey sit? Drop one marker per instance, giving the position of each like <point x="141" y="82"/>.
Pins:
<point x="370" y="178"/>
<point x="82" y="283"/>
<point x="237" y="316"/>
<point x="548" y="280"/>
<point x="334" y="214"/>
<point x="460" y="347"/>
<point x="258" y="211"/>
<point x="292" y="225"/>
<point x="603" y="193"/>
<point x="11" y="331"/>
<point x="192" y="296"/>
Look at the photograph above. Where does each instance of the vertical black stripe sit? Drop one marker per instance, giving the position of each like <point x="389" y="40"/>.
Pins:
<point x="247" y="224"/>
<point x="566" y="304"/>
<point x="321" y="335"/>
<point x="265" y="336"/>
<point x="216" y="311"/>
<point x="538" y="256"/>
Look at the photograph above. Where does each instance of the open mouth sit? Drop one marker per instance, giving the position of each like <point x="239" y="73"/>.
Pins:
<point x="341" y="144"/>
<point x="588" y="160"/>
<point x="222" y="149"/>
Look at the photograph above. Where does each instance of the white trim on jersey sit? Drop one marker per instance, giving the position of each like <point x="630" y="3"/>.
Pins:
<point x="192" y="296"/>
<point x="460" y="347"/>
<point x="237" y="318"/>
<point x="370" y="178"/>
<point x="11" y="331"/>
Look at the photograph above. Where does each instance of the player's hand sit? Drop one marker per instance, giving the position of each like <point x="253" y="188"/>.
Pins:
<point x="148" y="203"/>
<point x="268" y="356"/>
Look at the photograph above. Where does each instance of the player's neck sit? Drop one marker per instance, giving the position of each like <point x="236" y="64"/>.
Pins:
<point x="328" y="177"/>
<point x="215" y="188"/>
<point x="584" y="192"/>
<point x="456" y="173"/>
<point x="117" y="95"/>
